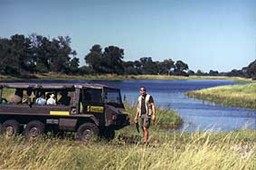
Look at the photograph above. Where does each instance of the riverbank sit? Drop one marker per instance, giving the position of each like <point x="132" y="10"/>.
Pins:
<point x="236" y="95"/>
<point x="54" y="76"/>
<point x="233" y="150"/>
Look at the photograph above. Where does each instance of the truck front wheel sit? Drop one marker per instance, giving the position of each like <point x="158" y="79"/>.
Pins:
<point x="34" y="129"/>
<point x="87" y="131"/>
<point x="10" y="128"/>
<point x="108" y="133"/>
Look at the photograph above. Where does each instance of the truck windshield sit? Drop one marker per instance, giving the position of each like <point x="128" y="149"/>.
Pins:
<point x="113" y="97"/>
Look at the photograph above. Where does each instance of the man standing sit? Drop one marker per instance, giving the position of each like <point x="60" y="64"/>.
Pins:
<point x="146" y="111"/>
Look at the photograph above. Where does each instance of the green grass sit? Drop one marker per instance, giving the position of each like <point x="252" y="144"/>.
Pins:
<point x="236" y="95"/>
<point x="172" y="151"/>
<point x="166" y="150"/>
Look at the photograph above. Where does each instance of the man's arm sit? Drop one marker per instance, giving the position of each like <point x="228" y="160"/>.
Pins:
<point x="153" y="118"/>
<point x="136" y="116"/>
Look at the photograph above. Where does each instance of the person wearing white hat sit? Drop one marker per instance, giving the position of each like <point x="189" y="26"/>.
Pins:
<point x="51" y="100"/>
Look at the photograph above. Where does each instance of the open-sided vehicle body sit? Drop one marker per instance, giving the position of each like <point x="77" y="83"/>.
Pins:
<point x="87" y="109"/>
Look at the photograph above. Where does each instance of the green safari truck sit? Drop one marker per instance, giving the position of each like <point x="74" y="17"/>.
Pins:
<point x="88" y="110"/>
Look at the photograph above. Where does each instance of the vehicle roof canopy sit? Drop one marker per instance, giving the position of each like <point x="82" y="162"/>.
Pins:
<point x="25" y="85"/>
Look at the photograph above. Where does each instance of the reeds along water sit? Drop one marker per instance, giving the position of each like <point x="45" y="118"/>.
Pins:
<point x="236" y="95"/>
<point x="166" y="118"/>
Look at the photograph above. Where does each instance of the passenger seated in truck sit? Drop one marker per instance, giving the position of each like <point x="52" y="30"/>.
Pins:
<point x="16" y="98"/>
<point x="65" y="99"/>
<point x="41" y="100"/>
<point x="29" y="99"/>
<point x="3" y="101"/>
<point x="51" y="100"/>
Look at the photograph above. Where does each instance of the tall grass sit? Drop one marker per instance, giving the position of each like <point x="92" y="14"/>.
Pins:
<point x="236" y="95"/>
<point x="173" y="151"/>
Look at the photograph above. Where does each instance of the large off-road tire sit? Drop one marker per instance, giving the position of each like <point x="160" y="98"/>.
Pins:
<point x="108" y="134"/>
<point x="87" y="132"/>
<point x="10" y="128"/>
<point x="34" y="129"/>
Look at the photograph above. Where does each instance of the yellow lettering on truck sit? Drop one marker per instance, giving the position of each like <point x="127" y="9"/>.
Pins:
<point x="97" y="109"/>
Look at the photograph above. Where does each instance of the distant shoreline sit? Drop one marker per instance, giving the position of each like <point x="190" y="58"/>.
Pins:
<point x="55" y="76"/>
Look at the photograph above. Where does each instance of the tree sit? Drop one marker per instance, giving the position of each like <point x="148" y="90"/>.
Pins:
<point x="74" y="66"/>
<point x="61" y="53"/>
<point x="200" y="73"/>
<point x="165" y="66"/>
<point x="213" y="73"/>
<point x="42" y="53"/>
<point x="130" y="68"/>
<point x="180" y="68"/>
<point x="113" y="62"/>
<point x="6" y="59"/>
<point x="22" y="52"/>
<point x="235" y="73"/>
<point x="84" y="70"/>
<point x="109" y="61"/>
<point x="15" y="55"/>
<point x="251" y="69"/>
<point x="138" y="66"/>
<point x="191" y="72"/>
<point x="94" y="59"/>
<point x="148" y="66"/>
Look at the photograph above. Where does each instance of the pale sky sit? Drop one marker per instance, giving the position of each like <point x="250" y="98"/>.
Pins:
<point x="205" y="34"/>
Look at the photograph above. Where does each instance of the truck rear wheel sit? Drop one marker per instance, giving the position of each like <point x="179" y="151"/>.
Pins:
<point x="87" y="131"/>
<point x="10" y="128"/>
<point x="34" y="129"/>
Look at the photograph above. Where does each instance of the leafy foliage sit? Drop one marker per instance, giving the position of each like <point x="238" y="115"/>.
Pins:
<point x="251" y="71"/>
<point x="112" y="58"/>
<point x="110" y="61"/>
<point x="38" y="54"/>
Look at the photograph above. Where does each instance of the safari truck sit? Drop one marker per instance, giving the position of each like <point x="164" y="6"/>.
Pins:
<point x="89" y="110"/>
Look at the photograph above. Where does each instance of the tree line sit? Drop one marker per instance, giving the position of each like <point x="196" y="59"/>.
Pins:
<point x="39" y="54"/>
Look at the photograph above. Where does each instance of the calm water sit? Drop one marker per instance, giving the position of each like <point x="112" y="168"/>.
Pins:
<point x="197" y="115"/>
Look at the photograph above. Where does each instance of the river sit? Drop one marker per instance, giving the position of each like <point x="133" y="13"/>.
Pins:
<point x="198" y="115"/>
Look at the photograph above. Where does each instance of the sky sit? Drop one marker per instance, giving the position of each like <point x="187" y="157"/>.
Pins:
<point x="206" y="34"/>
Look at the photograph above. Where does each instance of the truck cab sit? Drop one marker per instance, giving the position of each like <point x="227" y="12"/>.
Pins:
<point x="89" y="110"/>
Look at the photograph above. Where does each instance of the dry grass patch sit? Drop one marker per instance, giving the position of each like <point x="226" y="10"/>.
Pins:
<point x="235" y="150"/>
